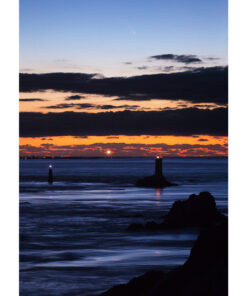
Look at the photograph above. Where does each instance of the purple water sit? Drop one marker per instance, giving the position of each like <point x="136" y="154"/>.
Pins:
<point x="73" y="238"/>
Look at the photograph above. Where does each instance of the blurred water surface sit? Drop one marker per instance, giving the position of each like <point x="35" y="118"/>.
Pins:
<point x="73" y="238"/>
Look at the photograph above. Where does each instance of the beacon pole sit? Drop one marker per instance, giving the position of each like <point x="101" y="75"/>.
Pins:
<point x="50" y="175"/>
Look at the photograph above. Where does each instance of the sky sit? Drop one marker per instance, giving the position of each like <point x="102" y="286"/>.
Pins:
<point x="136" y="77"/>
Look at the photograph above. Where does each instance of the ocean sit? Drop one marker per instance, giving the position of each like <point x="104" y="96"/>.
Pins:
<point x="73" y="238"/>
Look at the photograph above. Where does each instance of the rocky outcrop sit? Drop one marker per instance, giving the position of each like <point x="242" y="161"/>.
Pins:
<point x="196" y="211"/>
<point x="204" y="273"/>
<point x="154" y="181"/>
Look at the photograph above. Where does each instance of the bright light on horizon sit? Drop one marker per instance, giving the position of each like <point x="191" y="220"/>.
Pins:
<point x="108" y="152"/>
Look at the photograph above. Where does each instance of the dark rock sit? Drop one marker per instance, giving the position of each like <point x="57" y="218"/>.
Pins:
<point x="205" y="273"/>
<point x="137" y="286"/>
<point x="196" y="211"/>
<point x="210" y="248"/>
<point x="154" y="181"/>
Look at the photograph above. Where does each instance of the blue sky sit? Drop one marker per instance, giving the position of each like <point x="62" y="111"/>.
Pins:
<point x="96" y="36"/>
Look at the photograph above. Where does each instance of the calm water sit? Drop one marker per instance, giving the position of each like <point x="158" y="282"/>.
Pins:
<point x="73" y="238"/>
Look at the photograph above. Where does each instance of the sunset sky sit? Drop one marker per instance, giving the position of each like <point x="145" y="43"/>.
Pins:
<point x="138" y="78"/>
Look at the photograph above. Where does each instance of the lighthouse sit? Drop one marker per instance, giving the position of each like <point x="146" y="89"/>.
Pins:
<point x="158" y="166"/>
<point x="157" y="180"/>
<point x="50" y="175"/>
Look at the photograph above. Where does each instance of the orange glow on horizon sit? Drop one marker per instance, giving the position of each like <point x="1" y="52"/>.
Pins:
<point x="122" y="145"/>
<point x="143" y="139"/>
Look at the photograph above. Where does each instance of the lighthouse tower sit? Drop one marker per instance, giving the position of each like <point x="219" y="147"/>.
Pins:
<point x="158" y="166"/>
<point x="157" y="180"/>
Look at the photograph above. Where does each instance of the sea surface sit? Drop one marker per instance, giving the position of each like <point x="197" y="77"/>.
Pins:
<point x="73" y="238"/>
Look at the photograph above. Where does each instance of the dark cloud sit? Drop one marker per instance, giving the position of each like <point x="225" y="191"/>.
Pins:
<point x="133" y="97"/>
<point x="212" y="59"/>
<point x="190" y="121"/>
<point x="186" y="59"/>
<point x="113" y="137"/>
<point x="128" y="63"/>
<point x="168" y="68"/>
<point x="184" y="105"/>
<point x="80" y="137"/>
<point x="168" y="108"/>
<point x="202" y="106"/>
<point x="187" y="68"/>
<point x="90" y="106"/>
<point x="142" y="68"/>
<point x="55" y="81"/>
<point x="202" y="140"/>
<point x="108" y="107"/>
<point x="201" y="85"/>
<point x="66" y="106"/>
<point x="32" y="100"/>
<point x="75" y="97"/>
<point x="174" y="69"/>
